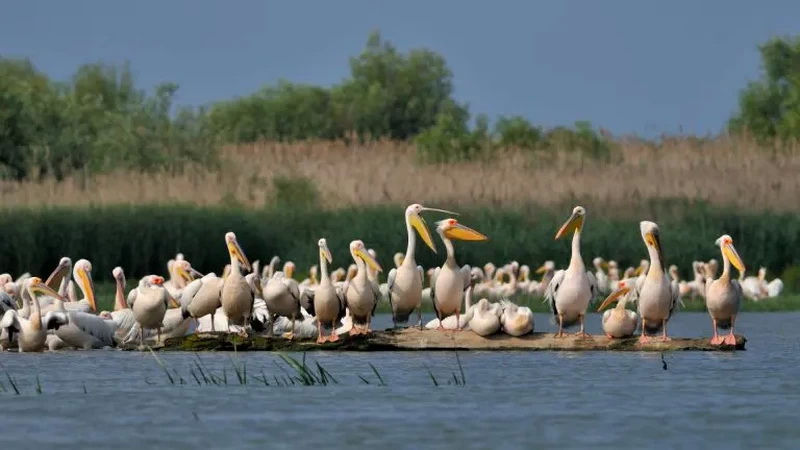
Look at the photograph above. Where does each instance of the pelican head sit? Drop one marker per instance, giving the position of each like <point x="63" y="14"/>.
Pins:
<point x="62" y="270"/>
<point x="323" y="250"/>
<point x="451" y="229"/>
<point x="725" y="244"/>
<point x="82" y="272"/>
<point x="358" y="250"/>
<point x="415" y="220"/>
<point x="184" y="270"/>
<point x="573" y="223"/>
<point x="622" y="289"/>
<point x="151" y="281"/>
<point x="235" y="250"/>
<point x="288" y="269"/>
<point x="36" y="286"/>
<point x="652" y="239"/>
<point x="546" y="267"/>
<point x="600" y="263"/>
<point x="398" y="259"/>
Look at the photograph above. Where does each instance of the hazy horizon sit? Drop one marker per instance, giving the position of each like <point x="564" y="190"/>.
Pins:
<point x="643" y="67"/>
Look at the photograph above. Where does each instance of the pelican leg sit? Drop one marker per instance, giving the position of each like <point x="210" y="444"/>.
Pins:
<point x="664" y="336"/>
<point x="158" y="336"/>
<point x="368" y="330"/>
<point x="644" y="339"/>
<point x="458" y="320"/>
<point x="212" y="322"/>
<point x="582" y="332"/>
<point x="715" y="339"/>
<point x="419" y="316"/>
<point x="560" y="333"/>
<point x="271" y="326"/>
<point x="730" y="339"/>
<point x="333" y="337"/>
<point x="141" y="339"/>
<point x="320" y="338"/>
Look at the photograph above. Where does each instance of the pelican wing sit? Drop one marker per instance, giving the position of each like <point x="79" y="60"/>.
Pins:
<point x="132" y="297"/>
<point x="390" y="285"/>
<point x="307" y="301"/>
<point x="54" y="319"/>
<point x="92" y="325"/>
<point x="6" y="303"/>
<point x="592" y="286"/>
<point x="552" y="290"/>
<point x="188" y="292"/>
<point x="10" y="321"/>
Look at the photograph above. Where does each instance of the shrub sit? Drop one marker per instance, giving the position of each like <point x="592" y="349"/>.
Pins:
<point x="517" y="132"/>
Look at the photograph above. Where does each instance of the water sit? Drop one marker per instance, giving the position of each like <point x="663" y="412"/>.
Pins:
<point x="511" y="399"/>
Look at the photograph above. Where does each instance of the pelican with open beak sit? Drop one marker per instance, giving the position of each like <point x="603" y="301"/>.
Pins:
<point x="405" y="282"/>
<point x="360" y="294"/>
<point x="450" y="281"/>
<point x="619" y="322"/>
<point x="657" y="296"/>
<point x="237" y="296"/>
<point x="724" y="295"/>
<point x="570" y="291"/>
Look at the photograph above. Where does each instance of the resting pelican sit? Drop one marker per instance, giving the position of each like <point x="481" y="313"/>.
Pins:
<point x="405" y="282"/>
<point x="756" y="287"/>
<point x="360" y="295"/>
<point x="32" y="332"/>
<point x="450" y="281"/>
<point x="656" y="294"/>
<point x="149" y="302"/>
<point x="619" y="322"/>
<point x="724" y="295"/>
<point x="328" y="304"/>
<point x="571" y="290"/>
<point x="237" y="296"/>
<point x="485" y="318"/>
<point x="122" y="316"/>
<point x="517" y="320"/>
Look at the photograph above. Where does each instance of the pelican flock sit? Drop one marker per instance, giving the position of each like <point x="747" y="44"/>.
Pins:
<point x="37" y="315"/>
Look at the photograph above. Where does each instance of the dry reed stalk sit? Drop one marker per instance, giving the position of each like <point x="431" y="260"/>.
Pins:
<point x="723" y="171"/>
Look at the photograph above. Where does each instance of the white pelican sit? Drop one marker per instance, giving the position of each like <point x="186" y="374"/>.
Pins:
<point x="282" y="298"/>
<point x="328" y="304"/>
<point x="32" y="332"/>
<point x="775" y="287"/>
<point x="571" y="290"/>
<point x="237" y="296"/>
<point x="450" y="323"/>
<point x="149" y="302"/>
<point x="122" y="316"/>
<point x="656" y="295"/>
<point x="82" y="272"/>
<point x="312" y="281"/>
<point x="360" y="294"/>
<point x="756" y="287"/>
<point x="203" y="297"/>
<point x="724" y="295"/>
<point x="450" y="281"/>
<point x="485" y="318"/>
<point x="619" y="322"/>
<point x="405" y="282"/>
<point x="270" y="269"/>
<point x="517" y="320"/>
<point x="600" y="274"/>
<point x="547" y="270"/>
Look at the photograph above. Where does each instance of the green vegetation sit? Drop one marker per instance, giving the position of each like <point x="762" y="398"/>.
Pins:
<point x="142" y="238"/>
<point x="770" y="107"/>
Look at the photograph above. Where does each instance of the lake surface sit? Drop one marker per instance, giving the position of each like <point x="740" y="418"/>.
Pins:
<point x="114" y="399"/>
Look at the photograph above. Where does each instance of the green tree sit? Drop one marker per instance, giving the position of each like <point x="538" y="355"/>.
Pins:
<point x="517" y="132"/>
<point x="770" y="106"/>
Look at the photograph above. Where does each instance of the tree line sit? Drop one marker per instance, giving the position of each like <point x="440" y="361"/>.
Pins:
<point x="100" y="120"/>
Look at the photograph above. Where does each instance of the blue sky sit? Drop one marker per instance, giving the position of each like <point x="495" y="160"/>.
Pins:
<point x="641" y="66"/>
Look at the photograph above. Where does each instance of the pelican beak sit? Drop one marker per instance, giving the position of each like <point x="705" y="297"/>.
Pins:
<point x="541" y="269"/>
<point x="183" y="273"/>
<point x="464" y="233"/>
<point x="236" y="251"/>
<point x="574" y="223"/>
<point x="41" y="288"/>
<point x="654" y="239"/>
<point x="419" y="224"/>
<point x="85" y="279"/>
<point x="613" y="297"/>
<point x="369" y="260"/>
<point x="325" y="253"/>
<point x="638" y="270"/>
<point x="195" y="274"/>
<point x="289" y="272"/>
<point x="440" y="210"/>
<point x="730" y="251"/>
<point x="58" y="274"/>
<point x="172" y="302"/>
